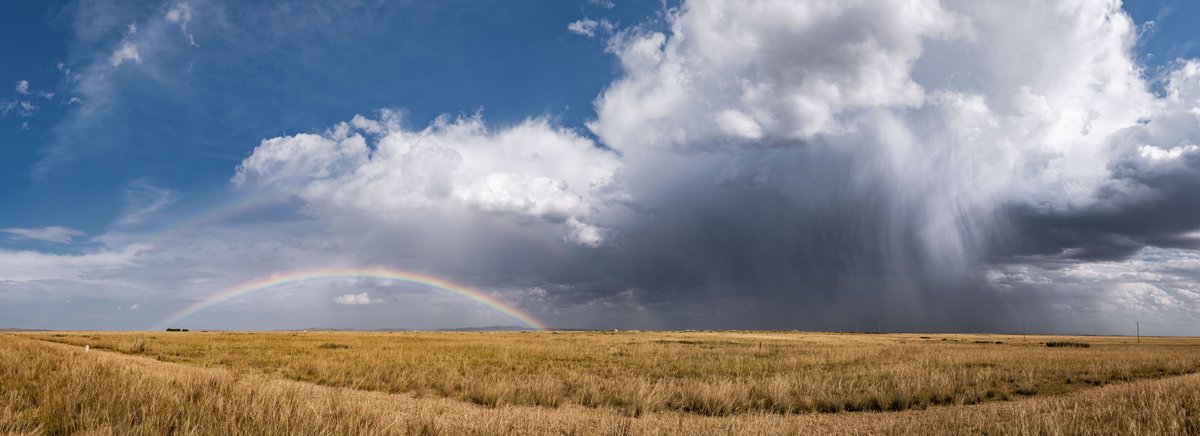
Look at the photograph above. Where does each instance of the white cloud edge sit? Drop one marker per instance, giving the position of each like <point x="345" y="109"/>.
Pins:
<point x="360" y="299"/>
<point x="590" y="27"/>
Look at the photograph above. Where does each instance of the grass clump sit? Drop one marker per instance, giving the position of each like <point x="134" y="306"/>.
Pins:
<point x="333" y="346"/>
<point x="137" y="346"/>
<point x="1067" y="344"/>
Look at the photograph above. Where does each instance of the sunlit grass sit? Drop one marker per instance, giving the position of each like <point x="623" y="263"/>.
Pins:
<point x="49" y="388"/>
<point x="714" y="374"/>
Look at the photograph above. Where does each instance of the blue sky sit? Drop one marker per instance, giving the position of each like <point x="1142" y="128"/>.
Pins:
<point x="184" y="116"/>
<point x="1169" y="37"/>
<point x="662" y="164"/>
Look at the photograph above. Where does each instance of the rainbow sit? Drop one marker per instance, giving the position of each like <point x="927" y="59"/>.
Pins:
<point x="212" y="215"/>
<point x="342" y="273"/>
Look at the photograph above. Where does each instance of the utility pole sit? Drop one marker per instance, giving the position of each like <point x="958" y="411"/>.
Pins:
<point x="1138" y="325"/>
<point x="1024" y="332"/>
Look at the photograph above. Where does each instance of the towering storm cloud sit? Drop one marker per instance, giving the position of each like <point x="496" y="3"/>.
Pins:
<point x="812" y="164"/>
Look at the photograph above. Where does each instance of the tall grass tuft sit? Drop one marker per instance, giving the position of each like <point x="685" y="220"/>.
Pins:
<point x="137" y="346"/>
<point x="1067" y="344"/>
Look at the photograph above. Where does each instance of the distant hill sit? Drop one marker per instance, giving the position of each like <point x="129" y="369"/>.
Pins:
<point x="494" y="328"/>
<point x="23" y="330"/>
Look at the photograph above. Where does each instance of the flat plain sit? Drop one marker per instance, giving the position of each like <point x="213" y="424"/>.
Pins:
<point x="595" y="383"/>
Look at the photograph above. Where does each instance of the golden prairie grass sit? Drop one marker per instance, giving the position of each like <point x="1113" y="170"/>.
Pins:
<point x="50" y="388"/>
<point x="713" y="374"/>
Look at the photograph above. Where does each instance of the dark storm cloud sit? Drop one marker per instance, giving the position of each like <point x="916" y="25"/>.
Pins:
<point x="738" y="182"/>
<point x="1150" y="200"/>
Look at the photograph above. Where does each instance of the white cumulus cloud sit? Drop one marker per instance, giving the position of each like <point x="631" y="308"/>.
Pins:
<point x="531" y="170"/>
<point x="777" y="68"/>
<point x="356" y="299"/>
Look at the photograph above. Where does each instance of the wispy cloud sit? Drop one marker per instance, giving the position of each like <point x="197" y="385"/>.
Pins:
<point x="116" y="43"/>
<point x="23" y="108"/>
<point x="127" y="50"/>
<point x="142" y="199"/>
<point x="56" y="234"/>
<point x="589" y="27"/>
<point x="23" y="105"/>
<point x="181" y="14"/>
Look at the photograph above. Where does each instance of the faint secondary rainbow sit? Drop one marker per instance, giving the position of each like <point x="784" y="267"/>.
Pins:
<point x="345" y="273"/>
<point x="213" y="214"/>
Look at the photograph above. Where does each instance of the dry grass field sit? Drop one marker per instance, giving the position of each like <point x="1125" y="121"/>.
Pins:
<point x="594" y="383"/>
